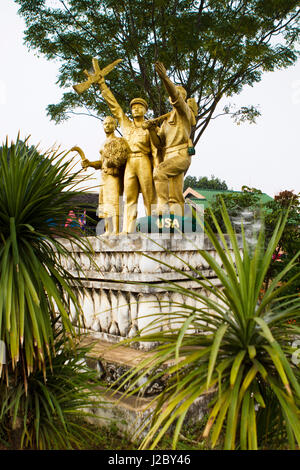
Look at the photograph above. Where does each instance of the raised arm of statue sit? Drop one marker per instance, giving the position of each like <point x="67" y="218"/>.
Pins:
<point x="170" y="87"/>
<point x="176" y="99"/>
<point x="112" y="103"/>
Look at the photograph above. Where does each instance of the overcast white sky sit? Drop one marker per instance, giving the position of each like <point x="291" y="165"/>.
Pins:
<point x="263" y="155"/>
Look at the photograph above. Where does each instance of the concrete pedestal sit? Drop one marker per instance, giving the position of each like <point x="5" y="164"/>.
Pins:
<point x="124" y="290"/>
<point x="128" y="290"/>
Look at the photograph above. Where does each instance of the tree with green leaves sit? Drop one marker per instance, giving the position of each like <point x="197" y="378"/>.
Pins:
<point x="211" y="47"/>
<point x="202" y="182"/>
<point x="247" y="204"/>
<point x="236" y="203"/>
<point x="32" y="279"/>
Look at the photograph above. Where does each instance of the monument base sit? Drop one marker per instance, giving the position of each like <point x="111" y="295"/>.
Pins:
<point x="130" y="287"/>
<point x="123" y="292"/>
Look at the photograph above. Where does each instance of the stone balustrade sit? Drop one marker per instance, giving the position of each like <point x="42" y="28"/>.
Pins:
<point x="124" y="290"/>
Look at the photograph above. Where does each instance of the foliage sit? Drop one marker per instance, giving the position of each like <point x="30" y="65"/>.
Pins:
<point x="25" y="144"/>
<point x="50" y="415"/>
<point x="34" y="285"/>
<point x="45" y="388"/>
<point x="213" y="48"/>
<point x="289" y="243"/>
<point x="202" y="182"/>
<point x="236" y="344"/>
<point x="236" y="204"/>
<point x="271" y="429"/>
<point x="246" y="204"/>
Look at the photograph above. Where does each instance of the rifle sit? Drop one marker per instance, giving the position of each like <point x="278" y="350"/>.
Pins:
<point x="156" y="121"/>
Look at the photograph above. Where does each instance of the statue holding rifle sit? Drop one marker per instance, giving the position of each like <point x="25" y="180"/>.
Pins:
<point x="143" y="151"/>
<point x="174" y="138"/>
<point x="144" y="170"/>
<point x="142" y="158"/>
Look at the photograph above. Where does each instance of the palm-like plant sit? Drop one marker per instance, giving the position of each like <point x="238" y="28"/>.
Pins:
<point x="35" y="198"/>
<point x="51" y="415"/>
<point x="237" y="344"/>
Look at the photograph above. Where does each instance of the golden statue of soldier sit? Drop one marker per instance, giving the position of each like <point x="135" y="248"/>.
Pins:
<point x="157" y="158"/>
<point x="138" y="175"/>
<point x="174" y="138"/>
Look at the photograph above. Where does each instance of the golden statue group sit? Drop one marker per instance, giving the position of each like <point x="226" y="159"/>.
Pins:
<point x="149" y="158"/>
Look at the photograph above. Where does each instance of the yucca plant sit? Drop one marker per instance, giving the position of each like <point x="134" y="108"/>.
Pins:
<point x="36" y="193"/>
<point x="52" y="414"/>
<point x="236" y="344"/>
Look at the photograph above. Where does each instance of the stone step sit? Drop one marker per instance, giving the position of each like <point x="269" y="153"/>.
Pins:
<point x="118" y="354"/>
<point x="129" y="413"/>
<point x="112" y="361"/>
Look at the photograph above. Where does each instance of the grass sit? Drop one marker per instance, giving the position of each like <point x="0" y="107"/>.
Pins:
<point x="190" y="439"/>
<point x="105" y="438"/>
<point x="110" y="438"/>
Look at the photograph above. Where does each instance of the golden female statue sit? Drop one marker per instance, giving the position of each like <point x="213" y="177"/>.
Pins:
<point x="113" y="157"/>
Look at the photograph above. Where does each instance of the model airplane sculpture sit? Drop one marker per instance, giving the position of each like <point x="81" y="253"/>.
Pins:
<point x="94" y="77"/>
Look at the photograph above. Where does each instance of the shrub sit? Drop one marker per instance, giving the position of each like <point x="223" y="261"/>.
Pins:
<point x="51" y="414"/>
<point x="238" y="343"/>
<point x="34" y="202"/>
<point x="40" y="385"/>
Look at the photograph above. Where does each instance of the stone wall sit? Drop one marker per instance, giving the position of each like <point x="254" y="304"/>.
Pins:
<point x="124" y="290"/>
